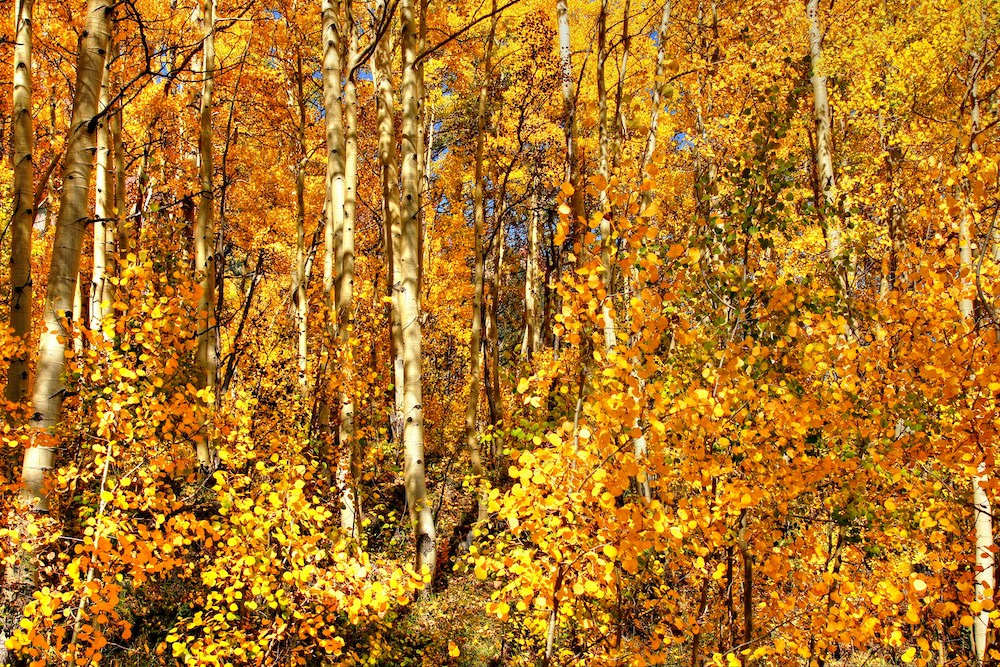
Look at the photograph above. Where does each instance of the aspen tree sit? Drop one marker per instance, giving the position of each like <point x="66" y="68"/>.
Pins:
<point x="24" y="202"/>
<point x="985" y="574"/>
<point x="824" y="150"/>
<point x="101" y="291"/>
<point x="335" y="185"/>
<point x="349" y="470"/>
<point x="493" y="320"/>
<point x="421" y="515"/>
<point x="569" y="109"/>
<point x="656" y="100"/>
<point x="299" y="270"/>
<point x="422" y="157"/>
<point x="382" y="71"/>
<point x="479" y="223"/>
<point x="64" y="269"/>
<point x="604" y="170"/>
<point x="204" y="233"/>
<point x="16" y="389"/>
<point x="532" y="312"/>
<point x="120" y="236"/>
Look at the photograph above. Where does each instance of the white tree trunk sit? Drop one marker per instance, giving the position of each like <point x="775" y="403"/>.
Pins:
<point x="101" y="290"/>
<point x="64" y="269"/>
<point x="350" y="466"/>
<point x="24" y="206"/>
<point x="824" y="150"/>
<point x="413" y="416"/>
<point x="382" y="70"/>
<point x="204" y="232"/>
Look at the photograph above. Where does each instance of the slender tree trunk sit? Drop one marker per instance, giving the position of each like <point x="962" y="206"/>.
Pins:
<point x="532" y="323"/>
<point x="204" y="233"/>
<point x="421" y="515"/>
<point x="299" y="272"/>
<point x="18" y="578"/>
<point x="656" y="101"/>
<point x="604" y="160"/>
<point x="747" y="558"/>
<point x="421" y="8"/>
<point x="382" y="69"/>
<point x="824" y="150"/>
<point x="985" y="574"/>
<point x="144" y="182"/>
<point x="621" y="126"/>
<point x="121" y="240"/>
<point x="493" y="328"/>
<point x="479" y="214"/>
<point x="24" y="203"/>
<point x="349" y="470"/>
<point x="335" y="190"/>
<point x="605" y="172"/>
<point x="101" y="289"/>
<point x="64" y="269"/>
<point x="569" y="110"/>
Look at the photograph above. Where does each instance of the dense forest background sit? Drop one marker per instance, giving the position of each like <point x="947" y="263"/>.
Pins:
<point x="521" y="332"/>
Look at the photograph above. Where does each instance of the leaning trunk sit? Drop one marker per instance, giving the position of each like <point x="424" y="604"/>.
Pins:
<point x="64" y="268"/>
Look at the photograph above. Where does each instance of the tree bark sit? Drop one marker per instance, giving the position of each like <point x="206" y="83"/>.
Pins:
<point x="532" y="319"/>
<point x="335" y="187"/>
<point x="349" y="471"/>
<point x="493" y="325"/>
<point x="299" y="271"/>
<point x="824" y="151"/>
<point x="101" y="289"/>
<point x="24" y="203"/>
<point x="413" y="431"/>
<point x="985" y="575"/>
<point x="204" y="233"/>
<point x="479" y="223"/>
<point x="569" y="110"/>
<point x="382" y="71"/>
<point x="422" y="159"/>
<point x="607" y="314"/>
<point x="64" y="268"/>
<point x="120" y="236"/>
<point x="656" y="99"/>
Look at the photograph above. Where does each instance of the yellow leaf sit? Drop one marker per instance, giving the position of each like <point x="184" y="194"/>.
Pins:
<point x="909" y="655"/>
<point x="453" y="649"/>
